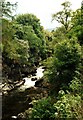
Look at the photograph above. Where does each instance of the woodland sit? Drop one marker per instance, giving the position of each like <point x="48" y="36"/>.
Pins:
<point x="26" y="45"/>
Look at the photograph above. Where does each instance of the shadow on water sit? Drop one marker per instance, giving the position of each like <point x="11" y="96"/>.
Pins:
<point x="14" y="103"/>
<point x="17" y="101"/>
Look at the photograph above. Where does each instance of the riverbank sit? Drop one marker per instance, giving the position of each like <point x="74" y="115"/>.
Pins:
<point x="19" y="99"/>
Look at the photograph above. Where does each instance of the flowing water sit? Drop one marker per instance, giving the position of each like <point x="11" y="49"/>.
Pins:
<point x="18" y="100"/>
<point x="28" y="80"/>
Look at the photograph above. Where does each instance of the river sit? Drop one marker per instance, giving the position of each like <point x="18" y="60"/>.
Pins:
<point x="30" y="81"/>
<point x="18" y="100"/>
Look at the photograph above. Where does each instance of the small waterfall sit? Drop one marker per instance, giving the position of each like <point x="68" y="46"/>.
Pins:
<point x="28" y="80"/>
<point x="39" y="73"/>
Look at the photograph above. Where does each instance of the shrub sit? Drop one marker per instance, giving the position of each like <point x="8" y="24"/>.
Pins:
<point x="76" y="86"/>
<point x="69" y="107"/>
<point x="43" y="110"/>
<point x="66" y="61"/>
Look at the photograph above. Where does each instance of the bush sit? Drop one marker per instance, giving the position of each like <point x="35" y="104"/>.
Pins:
<point x="66" y="61"/>
<point x="69" y="107"/>
<point x="76" y="86"/>
<point x="43" y="110"/>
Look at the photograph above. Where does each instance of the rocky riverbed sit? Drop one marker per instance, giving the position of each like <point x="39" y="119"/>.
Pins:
<point x="18" y="98"/>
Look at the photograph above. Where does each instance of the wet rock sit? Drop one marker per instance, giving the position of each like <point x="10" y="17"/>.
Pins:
<point x="7" y="87"/>
<point x="14" y="117"/>
<point x="31" y="90"/>
<point x="46" y="85"/>
<point x="21" y="115"/>
<point x="10" y="81"/>
<point x="10" y="86"/>
<point x="26" y="70"/>
<point x="20" y="83"/>
<point x="30" y="105"/>
<point x="43" y="67"/>
<point x="38" y="83"/>
<point x="19" y="101"/>
<point x="34" y="79"/>
<point x="4" y="92"/>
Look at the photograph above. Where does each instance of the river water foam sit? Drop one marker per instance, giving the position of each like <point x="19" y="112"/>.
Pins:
<point x="28" y="80"/>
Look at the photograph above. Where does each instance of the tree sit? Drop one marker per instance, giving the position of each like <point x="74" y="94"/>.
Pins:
<point x="77" y="25"/>
<point x="42" y="110"/>
<point x="15" y="52"/>
<point x="68" y="106"/>
<point x="31" y="20"/>
<point x="31" y="30"/>
<point x="63" y="16"/>
<point x="59" y="34"/>
<point x="49" y="47"/>
<point x="7" y="9"/>
<point x="65" y="62"/>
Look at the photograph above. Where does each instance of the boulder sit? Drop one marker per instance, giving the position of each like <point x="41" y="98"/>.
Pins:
<point x="38" y="83"/>
<point x="33" y="78"/>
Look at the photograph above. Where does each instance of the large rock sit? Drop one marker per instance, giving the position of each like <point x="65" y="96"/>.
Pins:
<point x="39" y="82"/>
<point x="33" y="78"/>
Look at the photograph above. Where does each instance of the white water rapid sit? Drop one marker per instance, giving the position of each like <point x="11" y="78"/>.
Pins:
<point x="28" y="80"/>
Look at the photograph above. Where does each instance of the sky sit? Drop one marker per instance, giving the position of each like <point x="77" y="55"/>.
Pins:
<point x="44" y="9"/>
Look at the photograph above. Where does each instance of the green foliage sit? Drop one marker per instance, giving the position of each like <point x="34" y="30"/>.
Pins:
<point x="69" y="107"/>
<point x="27" y="34"/>
<point x="71" y="53"/>
<point x="22" y="45"/>
<point x="64" y="16"/>
<point x="77" y="26"/>
<point x="31" y="20"/>
<point x="15" y="52"/>
<point x="58" y="35"/>
<point x="28" y="28"/>
<point x="13" y="49"/>
<point x="76" y="85"/>
<point x="49" y="47"/>
<point x="66" y="61"/>
<point x="43" y="110"/>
